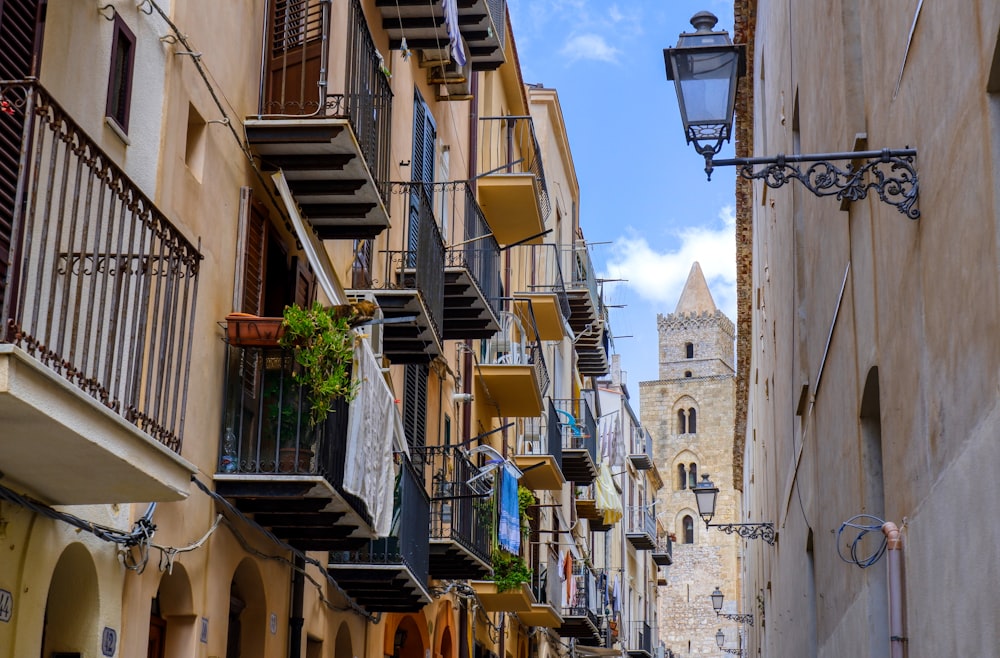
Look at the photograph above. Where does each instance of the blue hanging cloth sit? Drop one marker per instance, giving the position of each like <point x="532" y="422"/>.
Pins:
<point x="510" y="526"/>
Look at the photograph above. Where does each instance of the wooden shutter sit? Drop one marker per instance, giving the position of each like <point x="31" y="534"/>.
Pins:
<point x="415" y="405"/>
<point x="255" y="250"/>
<point x="421" y="166"/>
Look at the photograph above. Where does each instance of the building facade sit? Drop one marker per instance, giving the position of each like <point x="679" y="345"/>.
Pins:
<point x="176" y="176"/>
<point x="869" y="365"/>
<point x="688" y="412"/>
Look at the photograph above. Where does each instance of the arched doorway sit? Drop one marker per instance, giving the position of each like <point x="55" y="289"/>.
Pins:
<point x="247" y="619"/>
<point x="172" y="619"/>
<point x="72" y="608"/>
<point x="408" y="638"/>
<point x="343" y="647"/>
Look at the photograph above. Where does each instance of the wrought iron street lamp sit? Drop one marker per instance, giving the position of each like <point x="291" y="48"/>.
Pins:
<point x="717" y="597"/>
<point x="705" y="68"/>
<point x="706" y="494"/>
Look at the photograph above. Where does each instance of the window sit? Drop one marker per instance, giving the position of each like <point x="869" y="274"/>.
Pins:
<point x="689" y="350"/>
<point x="687" y="373"/>
<point x="692" y="421"/>
<point x="681" y="477"/>
<point x="688" y="529"/>
<point x="120" y="76"/>
<point x="681" y="422"/>
<point x="692" y="475"/>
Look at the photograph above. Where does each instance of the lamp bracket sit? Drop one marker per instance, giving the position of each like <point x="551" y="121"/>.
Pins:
<point x="889" y="173"/>
<point x="763" y="531"/>
<point x="736" y="652"/>
<point x="746" y="618"/>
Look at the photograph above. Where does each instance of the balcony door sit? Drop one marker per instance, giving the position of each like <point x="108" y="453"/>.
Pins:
<point x="21" y="23"/>
<point x="421" y="171"/>
<point x="294" y="49"/>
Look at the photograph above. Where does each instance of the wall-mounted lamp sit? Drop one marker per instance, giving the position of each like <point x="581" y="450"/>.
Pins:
<point x="705" y="495"/>
<point x="705" y="67"/>
<point x="462" y="397"/>
<point x="717" y="597"/>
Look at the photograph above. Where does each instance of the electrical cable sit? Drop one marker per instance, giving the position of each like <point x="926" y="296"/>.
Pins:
<point x="856" y="523"/>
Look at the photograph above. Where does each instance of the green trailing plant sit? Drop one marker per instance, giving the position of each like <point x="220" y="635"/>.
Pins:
<point x="525" y="499"/>
<point x="283" y="415"/>
<point x="322" y="343"/>
<point x="509" y="571"/>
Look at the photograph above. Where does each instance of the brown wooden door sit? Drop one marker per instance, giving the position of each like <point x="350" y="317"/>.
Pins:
<point x="293" y="59"/>
<point x="157" y="637"/>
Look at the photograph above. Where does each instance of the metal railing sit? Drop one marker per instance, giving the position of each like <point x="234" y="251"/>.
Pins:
<point x="641" y="442"/>
<point x="498" y="13"/>
<point x="578" y="265"/>
<point x="511" y="346"/>
<point x="664" y="546"/>
<point x="640" y="519"/>
<point x="99" y="285"/>
<point x="579" y="427"/>
<point x="295" y="80"/>
<point x="266" y="426"/>
<point x="640" y="637"/>
<point x="460" y="503"/>
<point x="477" y="250"/>
<point x="584" y="595"/>
<point x="542" y="435"/>
<point x="536" y="268"/>
<point x="508" y="146"/>
<point x="407" y="543"/>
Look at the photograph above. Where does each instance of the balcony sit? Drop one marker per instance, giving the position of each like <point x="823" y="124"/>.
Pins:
<point x="546" y="590"/>
<point x="587" y="314"/>
<point x="390" y="574"/>
<point x="539" y="452"/>
<point x="511" y="187"/>
<point x="539" y="290"/>
<point x="579" y="430"/>
<point x="274" y="466"/>
<point x="512" y="375"/>
<point x="411" y="290"/>
<point x="329" y="133"/>
<point x="472" y="268"/>
<point x="97" y="294"/>
<point x="424" y="25"/>
<point x="516" y="600"/>
<point x="586" y="508"/>
<point x="461" y="527"/>
<point x="640" y="527"/>
<point x="663" y="553"/>
<point x="639" y="642"/>
<point x="581" y="601"/>
<point x="641" y="450"/>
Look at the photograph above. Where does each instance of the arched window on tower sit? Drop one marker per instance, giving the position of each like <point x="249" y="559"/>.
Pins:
<point x="681" y="421"/>
<point x="693" y="475"/>
<point x="689" y="350"/>
<point x="692" y="421"/>
<point x="688" y="529"/>
<point x="681" y="477"/>
<point x="687" y="373"/>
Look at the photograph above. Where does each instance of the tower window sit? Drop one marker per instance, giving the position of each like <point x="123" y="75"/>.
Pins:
<point x="689" y="350"/>
<point x="681" y="477"/>
<point x="687" y="373"/>
<point x="692" y="475"/>
<point x="681" y="422"/>
<point x="688" y="529"/>
<point x="692" y="421"/>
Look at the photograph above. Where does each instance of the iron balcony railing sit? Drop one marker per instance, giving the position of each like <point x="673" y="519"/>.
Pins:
<point x="460" y="501"/>
<point x="508" y="146"/>
<point x="498" y="13"/>
<point x="642" y="442"/>
<point x="266" y="426"/>
<point x="545" y="578"/>
<point x="475" y="249"/>
<point x="640" y="638"/>
<point x="584" y="596"/>
<point x="407" y="543"/>
<point x="664" y="547"/>
<point x="536" y="267"/>
<point x="296" y="80"/>
<point x="640" y="519"/>
<point x="579" y="428"/>
<point x="511" y="346"/>
<point x="98" y="285"/>
<point x="542" y="435"/>
<point x="581" y="272"/>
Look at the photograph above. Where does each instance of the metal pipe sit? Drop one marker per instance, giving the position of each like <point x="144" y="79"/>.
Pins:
<point x="894" y="555"/>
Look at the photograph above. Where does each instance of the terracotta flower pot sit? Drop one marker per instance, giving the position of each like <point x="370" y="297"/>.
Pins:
<point x="246" y="330"/>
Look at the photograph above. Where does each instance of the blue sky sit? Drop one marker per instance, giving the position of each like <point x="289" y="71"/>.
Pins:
<point x="645" y="203"/>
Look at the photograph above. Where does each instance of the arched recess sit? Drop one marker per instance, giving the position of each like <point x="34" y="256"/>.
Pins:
<point x="680" y="411"/>
<point x="72" y="607"/>
<point x="173" y="617"/>
<point x="247" y="618"/>
<point x="445" y="633"/>
<point x="681" y="463"/>
<point x="406" y="636"/>
<point x="680" y="522"/>
<point x="343" y="647"/>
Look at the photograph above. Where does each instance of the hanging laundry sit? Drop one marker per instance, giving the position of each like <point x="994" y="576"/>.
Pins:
<point x="510" y="523"/>
<point x="606" y="498"/>
<point x="454" y="35"/>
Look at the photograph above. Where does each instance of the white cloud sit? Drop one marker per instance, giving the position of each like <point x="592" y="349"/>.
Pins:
<point x="658" y="277"/>
<point x="589" y="46"/>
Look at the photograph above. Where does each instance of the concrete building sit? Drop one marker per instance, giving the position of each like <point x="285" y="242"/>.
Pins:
<point x="174" y="176"/>
<point x="688" y="412"/>
<point x="867" y="364"/>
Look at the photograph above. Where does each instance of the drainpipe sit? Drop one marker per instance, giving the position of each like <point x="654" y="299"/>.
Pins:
<point x="894" y="557"/>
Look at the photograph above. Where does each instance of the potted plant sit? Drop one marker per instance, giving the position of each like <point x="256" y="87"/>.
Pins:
<point x="288" y="425"/>
<point x="322" y="344"/>
<point x="509" y="571"/>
